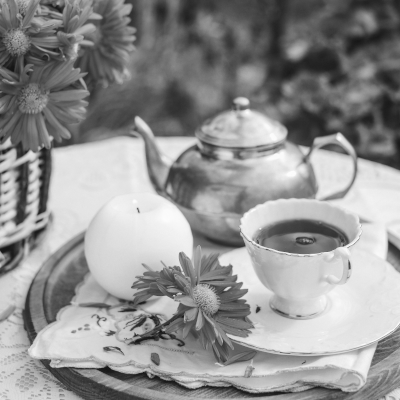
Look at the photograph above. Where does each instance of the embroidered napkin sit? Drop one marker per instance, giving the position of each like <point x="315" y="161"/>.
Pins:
<point x="90" y="335"/>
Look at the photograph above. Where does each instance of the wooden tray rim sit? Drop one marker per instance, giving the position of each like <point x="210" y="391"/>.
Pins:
<point x="95" y="379"/>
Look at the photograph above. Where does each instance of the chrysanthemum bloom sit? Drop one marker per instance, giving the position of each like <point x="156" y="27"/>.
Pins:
<point x="210" y="301"/>
<point x="113" y="40"/>
<point x="39" y="102"/>
<point x="21" y="34"/>
<point x="75" y="15"/>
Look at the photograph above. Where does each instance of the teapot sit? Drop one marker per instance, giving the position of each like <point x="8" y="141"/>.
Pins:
<point x="241" y="159"/>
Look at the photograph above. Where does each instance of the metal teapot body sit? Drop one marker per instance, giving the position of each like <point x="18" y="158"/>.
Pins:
<point x="235" y="166"/>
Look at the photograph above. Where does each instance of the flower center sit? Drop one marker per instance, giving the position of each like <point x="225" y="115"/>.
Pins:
<point x="206" y="298"/>
<point x="17" y="42"/>
<point x="32" y="99"/>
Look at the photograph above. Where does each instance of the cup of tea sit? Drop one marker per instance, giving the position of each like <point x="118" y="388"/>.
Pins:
<point x="300" y="250"/>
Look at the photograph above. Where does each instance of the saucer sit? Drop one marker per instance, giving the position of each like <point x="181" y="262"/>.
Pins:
<point x="359" y="313"/>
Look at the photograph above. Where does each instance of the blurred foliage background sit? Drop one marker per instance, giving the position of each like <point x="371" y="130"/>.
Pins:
<point x="318" y="66"/>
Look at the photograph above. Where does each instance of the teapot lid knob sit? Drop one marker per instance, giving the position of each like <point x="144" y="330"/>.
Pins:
<point x="242" y="128"/>
<point x="241" y="103"/>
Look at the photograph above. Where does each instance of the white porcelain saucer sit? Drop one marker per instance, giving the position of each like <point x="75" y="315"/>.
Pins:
<point x="361" y="312"/>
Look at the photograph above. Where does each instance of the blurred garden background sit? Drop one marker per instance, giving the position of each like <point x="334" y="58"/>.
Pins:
<point x="318" y="66"/>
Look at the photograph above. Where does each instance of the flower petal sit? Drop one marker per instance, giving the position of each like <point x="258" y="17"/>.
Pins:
<point x="30" y="12"/>
<point x="8" y="124"/>
<point x="234" y="323"/>
<point x="187" y="267"/>
<point x="33" y="133"/>
<point x="62" y="130"/>
<point x="187" y="328"/>
<point x="191" y="314"/>
<point x="13" y="8"/>
<point x="4" y="103"/>
<point x="200" y="321"/>
<point x="186" y="300"/>
<point x="232" y="295"/>
<point x="42" y="130"/>
<point x="197" y="263"/>
<point x="68" y="95"/>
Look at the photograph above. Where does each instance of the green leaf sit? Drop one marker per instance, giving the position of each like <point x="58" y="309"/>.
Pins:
<point x="244" y="356"/>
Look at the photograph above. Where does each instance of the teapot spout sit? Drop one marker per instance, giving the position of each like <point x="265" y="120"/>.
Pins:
<point x="158" y="165"/>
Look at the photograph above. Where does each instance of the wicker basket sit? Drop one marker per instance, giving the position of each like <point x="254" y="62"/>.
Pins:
<point x="24" y="184"/>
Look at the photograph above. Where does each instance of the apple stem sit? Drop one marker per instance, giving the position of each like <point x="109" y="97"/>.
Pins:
<point x="137" y="208"/>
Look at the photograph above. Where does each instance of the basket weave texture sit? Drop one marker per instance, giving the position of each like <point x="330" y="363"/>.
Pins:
<point x="24" y="185"/>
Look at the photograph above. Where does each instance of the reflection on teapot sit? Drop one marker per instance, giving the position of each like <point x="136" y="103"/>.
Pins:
<point x="241" y="159"/>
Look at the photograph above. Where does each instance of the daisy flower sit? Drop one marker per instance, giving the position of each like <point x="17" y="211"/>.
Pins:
<point x="38" y="103"/>
<point x="113" y="40"/>
<point x="210" y="304"/>
<point x="21" y="33"/>
<point x="75" y="15"/>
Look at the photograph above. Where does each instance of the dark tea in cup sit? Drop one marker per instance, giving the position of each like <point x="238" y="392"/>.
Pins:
<point x="301" y="236"/>
<point x="314" y="238"/>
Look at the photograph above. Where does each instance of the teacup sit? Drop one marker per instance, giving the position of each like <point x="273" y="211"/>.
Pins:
<point x="300" y="282"/>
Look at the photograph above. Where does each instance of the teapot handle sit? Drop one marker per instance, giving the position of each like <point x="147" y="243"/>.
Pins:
<point x="340" y="140"/>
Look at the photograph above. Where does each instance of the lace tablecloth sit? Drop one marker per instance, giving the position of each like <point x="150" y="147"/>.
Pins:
<point x="87" y="176"/>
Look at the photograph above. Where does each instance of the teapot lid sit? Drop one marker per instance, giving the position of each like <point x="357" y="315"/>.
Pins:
<point x="241" y="127"/>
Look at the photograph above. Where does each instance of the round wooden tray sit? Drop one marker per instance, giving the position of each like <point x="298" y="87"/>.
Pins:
<point x="54" y="287"/>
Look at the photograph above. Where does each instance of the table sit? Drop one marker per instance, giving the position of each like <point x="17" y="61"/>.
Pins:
<point x="86" y="176"/>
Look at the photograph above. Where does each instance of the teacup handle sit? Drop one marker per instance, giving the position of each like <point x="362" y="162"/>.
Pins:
<point x="341" y="141"/>
<point x="344" y="254"/>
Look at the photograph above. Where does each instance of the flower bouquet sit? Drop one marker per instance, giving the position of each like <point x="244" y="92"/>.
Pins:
<point x="52" y="53"/>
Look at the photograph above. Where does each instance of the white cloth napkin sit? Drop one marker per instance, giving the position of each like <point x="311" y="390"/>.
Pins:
<point x="79" y="335"/>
